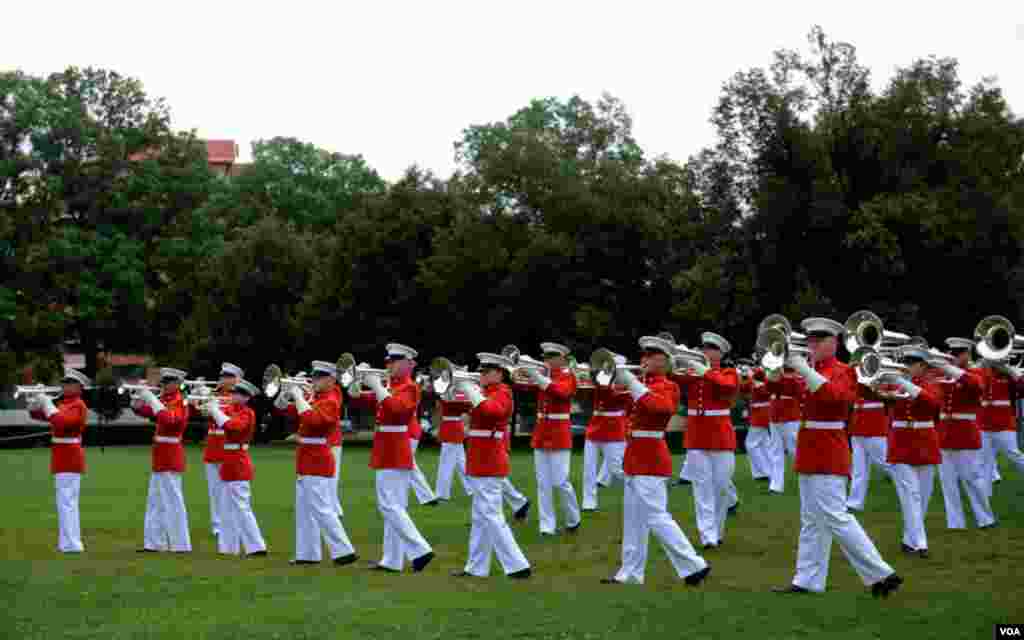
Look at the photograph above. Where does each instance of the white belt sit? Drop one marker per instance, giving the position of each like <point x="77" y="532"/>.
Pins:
<point x="760" y="405"/>
<point x="911" y="424"/>
<point x="786" y="398"/>
<point x="648" y="434"/>
<point x="303" y="440"/>
<point x="823" y="424"/>
<point x="709" y="412"/>
<point x="393" y="428"/>
<point x="216" y="432"/>
<point x="610" y="414"/>
<point x="452" y="418"/>
<point x="868" y="405"/>
<point x="66" y="440"/>
<point x="995" y="403"/>
<point x="959" y="416"/>
<point x="554" y="416"/>
<point x="236" y="447"/>
<point x="167" y="440"/>
<point x="483" y="433"/>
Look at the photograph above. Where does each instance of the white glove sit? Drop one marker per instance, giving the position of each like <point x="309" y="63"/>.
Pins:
<point x="475" y="395"/>
<point x="34" y="402"/>
<point x="636" y="388"/>
<point x="813" y="378"/>
<point x="698" y="368"/>
<point x="281" y="401"/>
<point x="538" y="378"/>
<point x="217" y="413"/>
<point x="154" y="403"/>
<point x="908" y="386"/>
<point x="950" y="370"/>
<point x="301" y="404"/>
<point x="377" y="385"/>
<point x="46" y="404"/>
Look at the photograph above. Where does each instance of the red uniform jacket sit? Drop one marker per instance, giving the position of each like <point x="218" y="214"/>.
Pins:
<point x="760" y="403"/>
<point x="916" y="445"/>
<point x="609" y="400"/>
<point x="649" y="456"/>
<point x="715" y="392"/>
<point x="487" y="455"/>
<point x="554" y="432"/>
<point x="313" y="456"/>
<point x="784" y="406"/>
<point x="334" y="435"/>
<point x="68" y="423"/>
<point x="236" y="464"/>
<point x="823" y="450"/>
<point x="391" y="449"/>
<point x="213" y="452"/>
<point x="452" y="428"/>
<point x="168" y="452"/>
<point x="997" y="401"/>
<point x="870" y="415"/>
<point x="961" y="404"/>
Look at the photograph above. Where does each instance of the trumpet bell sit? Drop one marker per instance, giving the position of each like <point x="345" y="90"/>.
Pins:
<point x="867" y="363"/>
<point x="775" y="346"/>
<point x="272" y="380"/>
<point x="863" y="329"/>
<point x="346" y="369"/>
<point x="602" y="367"/>
<point x="775" y="320"/>
<point x="511" y="352"/>
<point x="995" y="336"/>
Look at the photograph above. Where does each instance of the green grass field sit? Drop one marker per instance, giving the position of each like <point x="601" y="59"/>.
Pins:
<point x="971" y="581"/>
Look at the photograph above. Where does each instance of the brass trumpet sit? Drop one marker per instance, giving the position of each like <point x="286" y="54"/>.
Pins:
<point x="603" y="367"/>
<point x="997" y="339"/>
<point x="134" y="389"/>
<point x="522" y="362"/>
<point x="274" y="380"/>
<point x="352" y="376"/>
<point x="34" y="389"/>
<point x="445" y="375"/>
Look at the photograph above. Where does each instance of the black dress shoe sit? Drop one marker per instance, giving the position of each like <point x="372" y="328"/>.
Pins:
<point x="341" y="561"/>
<point x="695" y="579"/>
<point x="682" y="482"/>
<point x="418" y="564"/>
<point x="522" y="512"/>
<point x="884" y="587"/>
<point x="574" y="528"/>
<point x="374" y="566"/>
<point x="548" y="534"/>
<point x="594" y="510"/>
<point x="522" y="574"/>
<point x="734" y="508"/>
<point x="460" y="574"/>
<point x="990" y="526"/>
<point x="923" y="553"/>
<point x="710" y="546"/>
<point x="256" y="554"/>
<point x="789" y="588"/>
<point x="906" y="548"/>
<point x="294" y="562"/>
<point x="609" y="581"/>
<point x="765" y="479"/>
<point x="432" y="503"/>
<point x="603" y="486"/>
<point x="145" y="550"/>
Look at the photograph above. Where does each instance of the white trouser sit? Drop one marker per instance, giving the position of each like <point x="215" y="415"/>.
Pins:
<point x="645" y="511"/>
<point x="69" y="527"/>
<point x="515" y="499"/>
<point x="552" y="467"/>
<point x="914" y="485"/>
<point x="611" y="453"/>
<point x="823" y="515"/>
<point x="992" y="443"/>
<point x="337" y="480"/>
<point x="166" y="523"/>
<point x="214" y="488"/>
<point x="453" y="460"/>
<point x="401" y="537"/>
<point x="490" y="533"/>
<point x="238" y="523"/>
<point x="867" y="451"/>
<point x="316" y="514"/>
<point x="711" y="472"/>
<point x="961" y="465"/>
<point x="417" y="480"/>
<point x="684" y="469"/>
<point x="784" y="435"/>
<point x="604" y="476"/>
<point x="758" y="445"/>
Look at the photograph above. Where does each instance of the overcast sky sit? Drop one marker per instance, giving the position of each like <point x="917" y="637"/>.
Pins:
<point x="398" y="81"/>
